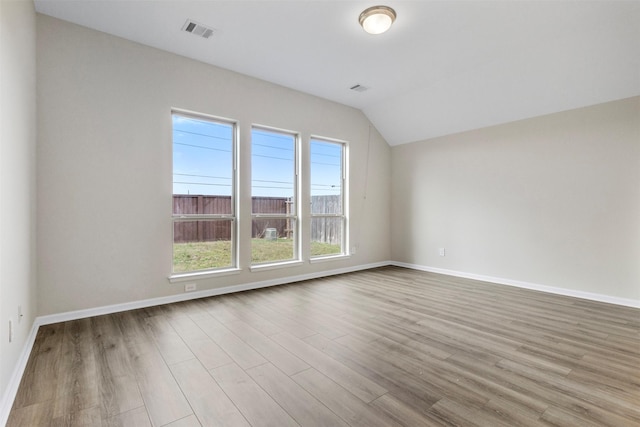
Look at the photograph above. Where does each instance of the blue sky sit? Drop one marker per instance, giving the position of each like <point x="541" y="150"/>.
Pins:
<point x="202" y="161"/>
<point x="202" y="157"/>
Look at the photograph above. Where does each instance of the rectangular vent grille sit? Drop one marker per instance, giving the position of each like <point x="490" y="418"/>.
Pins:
<point x="197" y="29"/>
<point x="359" y="88"/>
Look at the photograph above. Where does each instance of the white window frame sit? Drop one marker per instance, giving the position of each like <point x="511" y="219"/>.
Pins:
<point x="344" y="200"/>
<point x="294" y="214"/>
<point x="233" y="216"/>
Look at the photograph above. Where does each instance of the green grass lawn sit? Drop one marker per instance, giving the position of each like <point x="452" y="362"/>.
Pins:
<point x="204" y="255"/>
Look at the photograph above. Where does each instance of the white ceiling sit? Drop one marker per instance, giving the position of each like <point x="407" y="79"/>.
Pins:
<point x="444" y="67"/>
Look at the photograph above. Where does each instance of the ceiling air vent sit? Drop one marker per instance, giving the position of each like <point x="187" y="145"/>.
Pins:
<point x="359" y="88"/>
<point x="197" y="29"/>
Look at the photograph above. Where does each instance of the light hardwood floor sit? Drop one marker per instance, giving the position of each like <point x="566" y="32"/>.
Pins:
<point x="383" y="347"/>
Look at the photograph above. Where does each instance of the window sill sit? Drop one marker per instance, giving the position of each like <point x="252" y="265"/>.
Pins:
<point x="329" y="258"/>
<point x="185" y="277"/>
<point x="274" y="266"/>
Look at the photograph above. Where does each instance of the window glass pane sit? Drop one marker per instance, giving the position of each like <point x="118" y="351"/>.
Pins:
<point x="326" y="177"/>
<point x="327" y="198"/>
<point x="326" y="236"/>
<point x="273" y="240"/>
<point x="202" y="245"/>
<point x="202" y="166"/>
<point x="272" y="172"/>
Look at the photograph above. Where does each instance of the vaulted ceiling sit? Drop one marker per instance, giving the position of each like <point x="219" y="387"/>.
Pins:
<point x="444" y="67"/>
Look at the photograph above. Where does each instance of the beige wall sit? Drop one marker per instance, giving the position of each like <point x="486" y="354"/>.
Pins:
<point x="104" y="165"/>
<point x="553" y="201"/>
<point x="17" y="181"/>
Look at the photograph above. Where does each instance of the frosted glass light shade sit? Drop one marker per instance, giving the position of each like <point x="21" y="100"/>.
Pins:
<point x="377" y="19"/>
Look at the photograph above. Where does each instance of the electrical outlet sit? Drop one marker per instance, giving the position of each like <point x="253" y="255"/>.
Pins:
<point x="10" y="330"/>
<point x="190" y="287"/>
<point x="441" y="251"/>
<point x="354" y="249"/>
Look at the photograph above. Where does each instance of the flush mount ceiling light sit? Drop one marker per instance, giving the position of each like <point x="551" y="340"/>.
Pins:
<point x="377" y="19"/>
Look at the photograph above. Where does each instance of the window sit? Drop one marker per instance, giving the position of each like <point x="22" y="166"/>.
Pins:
<point x="274" y="197"/>
<point x="204" y="214"/>
<point x="328" y="183"/>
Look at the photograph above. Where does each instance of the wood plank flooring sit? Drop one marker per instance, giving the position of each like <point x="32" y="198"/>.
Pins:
<point x="382" y="347"/>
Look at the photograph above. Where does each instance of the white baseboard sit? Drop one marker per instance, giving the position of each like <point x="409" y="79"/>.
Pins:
<point x="526" y="285"/>
<point x="115" y="308"/>
<point x="14" y="382"/>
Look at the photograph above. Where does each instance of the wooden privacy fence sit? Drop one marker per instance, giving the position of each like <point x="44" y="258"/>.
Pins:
<point x="326" y="229"/>
<point x="201" y="231"/>
<point x="322" y="229"/>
